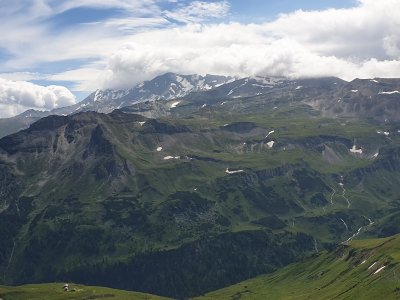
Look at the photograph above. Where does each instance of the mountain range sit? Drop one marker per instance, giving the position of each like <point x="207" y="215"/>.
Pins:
<point x="372" y="98"/>
<point x="184" y="192"/>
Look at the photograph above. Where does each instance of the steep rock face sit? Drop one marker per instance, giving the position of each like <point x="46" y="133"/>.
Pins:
<point x="98" y="144"/>
<point x="165" y="87"/>
<point x="11" y="125"/>
<point x="363" y="98"/>
<point x="13" y="211"/>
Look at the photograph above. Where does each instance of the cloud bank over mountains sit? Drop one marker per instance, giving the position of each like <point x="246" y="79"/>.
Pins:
<point x="363" y="41"/>
<point x="198" y="37"/>
<point x="18" y="96"/>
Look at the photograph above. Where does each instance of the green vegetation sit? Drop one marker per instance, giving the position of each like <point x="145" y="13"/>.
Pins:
<point x="55" y="291"/>
<point x="366" y="269"/>
<point x="143" y="204"/>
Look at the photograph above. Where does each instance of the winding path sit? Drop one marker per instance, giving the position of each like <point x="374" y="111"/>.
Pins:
<point x="347" y="227"/>
<point x="344" y="195"/>
<point x="9" y="261"/>
<point x="359" y="231"/>
<point x="333" y="194"/>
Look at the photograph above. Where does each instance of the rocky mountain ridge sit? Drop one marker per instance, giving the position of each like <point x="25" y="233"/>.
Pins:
<point x="253" y="183"/>
<point x="369" y="98"/>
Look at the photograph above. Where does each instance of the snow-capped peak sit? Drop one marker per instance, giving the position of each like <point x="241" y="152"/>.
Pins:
<point x="164" y="87"/>
<point x="104" y="95"/>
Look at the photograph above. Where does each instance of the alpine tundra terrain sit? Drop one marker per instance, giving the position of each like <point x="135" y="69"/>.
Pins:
<point x="367" y="269"/>
<point x="203" y="183"/>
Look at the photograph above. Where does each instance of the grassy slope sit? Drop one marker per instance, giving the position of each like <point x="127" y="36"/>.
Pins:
<point x="54" y="291"/>
<point x="157" y="179"/>
<point x="348" y="273"/>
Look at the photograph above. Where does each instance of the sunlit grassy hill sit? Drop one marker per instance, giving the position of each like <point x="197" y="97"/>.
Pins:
<point x="365" y="269"/>
<point x="54" y="291"/>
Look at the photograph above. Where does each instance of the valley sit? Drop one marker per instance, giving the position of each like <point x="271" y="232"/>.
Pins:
<point x="182" y="196"/>
<point x="366" y="269"/>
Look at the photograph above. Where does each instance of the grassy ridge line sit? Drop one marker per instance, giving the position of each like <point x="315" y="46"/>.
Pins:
<point x="54" y="291"/>
<point x="351" y="272"/>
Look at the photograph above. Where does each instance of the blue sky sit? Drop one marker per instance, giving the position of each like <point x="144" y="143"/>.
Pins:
<point x="267" y="10"/>
<point x="82" y="45"/>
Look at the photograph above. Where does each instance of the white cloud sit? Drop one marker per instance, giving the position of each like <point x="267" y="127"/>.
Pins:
<point x="348" y="43"/>
<point x="354" y="32"/>
<point x="198" y="11"/>
<point x="18" y="96"/>
<point x="362" y="41"/>
<point x="23" y="76"/>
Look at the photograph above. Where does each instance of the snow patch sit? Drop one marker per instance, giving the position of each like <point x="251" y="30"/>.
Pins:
<point x="355" y="150"/>
<point x="159" y="149"/>
<point x="258" y="85"/>
<point x="171" y="90"/>
<point x="233" y="172"/>
<point x="269" y="133"/>
<point x="373" y="80"/>
<point x="376" y="155"/>
<point x="204" y="105"/>
<point x="80" y="106"/>
<point x="389" y="93"/>
<point x="386" y="133"/>
<point x="268" y="81"/>
<point x="345" y="224"/>
<point x="186" y="85"/>
<point x="175" y="104"/>
<point x="106" y="95"/>
<point x="371" y="266"/>
<point x="171" y="157"/>
<point x="221" y="84"/>
<point x="354" y="235"/>
<point x="299" y="87"/>
<point x="141" y="123"/>
<point x="97" y="96"/>
<point x="380" y="269"/>
<point x="270" y="144"/>
<point x="354" y="91"/>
